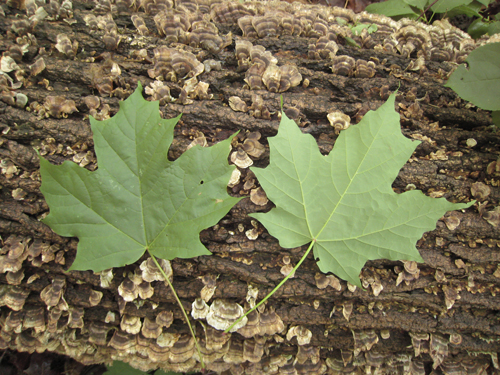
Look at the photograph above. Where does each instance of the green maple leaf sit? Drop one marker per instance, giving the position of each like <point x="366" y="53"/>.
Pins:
<point x="344" y="202"/>
<point x="480" y="82"/>
<point x="137" y="200"/>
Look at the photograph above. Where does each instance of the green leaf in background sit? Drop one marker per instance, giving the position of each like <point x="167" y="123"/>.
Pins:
<point x="419" y="4"/>
<point x="485" y="2"/>
<point x="351" y="42"/>
<point x="480" y="83"/>
<point x="392" y="8"/>
<point x="470" y="10"/>
<point x="357" y="29"/>
<point x="478" y="28"/>
<point x="344" y="201"/>
<point x="137" y="200"/>
<point x="495" y="115"/>
<point x="122" y="368"/>
<point x="443" y="6"/>
<point x="494" y="28"/>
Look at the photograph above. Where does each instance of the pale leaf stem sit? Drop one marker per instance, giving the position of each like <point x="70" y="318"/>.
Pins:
<point x="277" y="287"/>
<point x="182" y="308"/>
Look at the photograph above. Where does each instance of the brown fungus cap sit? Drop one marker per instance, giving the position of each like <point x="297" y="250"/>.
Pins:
<point x="223" y="314"/>
<point x="165" y="318"/>
<point x="151" y="273"/>
<point x="270" y="323"/>
<point x="151" y="329"/>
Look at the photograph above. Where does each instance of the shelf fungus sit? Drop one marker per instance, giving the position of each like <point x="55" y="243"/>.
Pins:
<point x="240" y="158"/>
<point x="237" y="104"/>
<point x="235" y="178"/>
<point x="407" y="274"/>
<point x="139" y="24"/>
<point x="451" y="295"/>
<point x="59" y="106"/>
<point x="65" y="46"/>
<point x="172" y="25"/>
<point x="258" y="109"/>
<point x="289" y="78"/>
<point x="15" y="278"/>
<point x="323" y="281"/>
<point x="131" y="324"/>
<point x="182" y="350"/>
<point x="339" y="120"/>
<point x="205" y="34"/>
<point x="159" y="91"/>
<point x="98" y="332"/>
<point x="480" y="191"/>
<point x="369" y="277"/>
<point x="364" y="69"/>
<point x="150" y="329"/>
<point x="8" y="64"/>
<point x="165" y="318"/>
<point x="347" y="309"/>
<point x="223" y="314"/>
<point x="170" y="63"/>
<point x="106" y="277"/>
<point x="215" y="339"/>
<point x="151" y="273"/>
<point x="308" y="357"/>
<point x="54" y="321"/>
<point x="199" y="309"/>
<point x="252" y="146"/>
<point x="326" y="47"/>
<point x="302" y="333"/>
<point x="145" y="290"/>
<point x="210" y="285"/>
<point x="252" y="295"/>
<point x="37" y="67"/>
<point x="492" y="217"/>
<point x="75" y="318"/>
<point x="34" y="317"/>
<point x="193" y="89"/>
<point x="229" y="12"/>
<point x="52" y="293"/>
<point x="364" y="340"/>
<point x="270" y="323"/>
<point x="13" y="322"/>
<point x="122" y="341"/>
<point x="234" y="354"/>
<point x="253" y="349"/>
<point x="15" y="297"/>
<point x="412" y="38"/>
<point x="343" y="65"/>
<point x="252" y="327"/>
<point x="438" y="349"/>
<point x="420" y="342"/>
<point x="258" y="196"/>
<point x="128" y="290"/>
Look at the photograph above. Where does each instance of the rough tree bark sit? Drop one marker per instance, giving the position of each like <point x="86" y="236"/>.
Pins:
<point x="441" y="317"/>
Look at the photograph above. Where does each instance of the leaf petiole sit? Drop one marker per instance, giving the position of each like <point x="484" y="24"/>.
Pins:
<point x="277" y="286"/>
<point x="182" y="308"/>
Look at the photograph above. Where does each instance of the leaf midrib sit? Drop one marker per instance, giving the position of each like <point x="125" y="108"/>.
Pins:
<point x="350" y="182"/>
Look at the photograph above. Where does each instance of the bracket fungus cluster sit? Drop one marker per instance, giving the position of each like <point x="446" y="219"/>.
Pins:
<point x="262" y="69"/>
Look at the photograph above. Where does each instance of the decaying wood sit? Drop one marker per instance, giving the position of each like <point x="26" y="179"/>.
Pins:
<point x="441" y="315"/>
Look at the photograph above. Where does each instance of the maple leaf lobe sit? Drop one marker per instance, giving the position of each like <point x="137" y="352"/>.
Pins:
<point x="344" y="201"/>
<point x="137" y="199"/>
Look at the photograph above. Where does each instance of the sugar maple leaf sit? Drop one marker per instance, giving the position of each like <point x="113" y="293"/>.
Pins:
<point x="137" y="200"/>
<point x="344" y="201"/>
